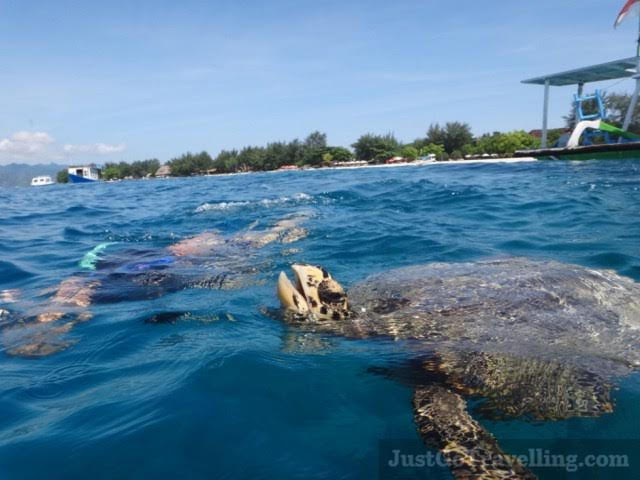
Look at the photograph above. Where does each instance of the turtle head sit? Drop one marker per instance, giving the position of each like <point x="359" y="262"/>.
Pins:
<point x="313" y="296"/>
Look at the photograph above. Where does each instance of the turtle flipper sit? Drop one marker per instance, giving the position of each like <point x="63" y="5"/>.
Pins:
<point x="470" y="451"/>
<point x="287" y="230"/>
<point x="515" y="387"/>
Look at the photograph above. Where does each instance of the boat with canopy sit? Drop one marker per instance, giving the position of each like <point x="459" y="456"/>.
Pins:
<point x="592" y="136"/>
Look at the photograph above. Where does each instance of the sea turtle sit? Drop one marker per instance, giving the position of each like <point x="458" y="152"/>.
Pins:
<point x="535" y="339"/>
<point x="208" y="260"/>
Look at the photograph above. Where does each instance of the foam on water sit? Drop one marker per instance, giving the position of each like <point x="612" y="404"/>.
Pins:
<point x="297" y="198"/>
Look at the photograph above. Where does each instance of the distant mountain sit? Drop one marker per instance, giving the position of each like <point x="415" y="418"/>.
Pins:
<point x="20" y="174"/>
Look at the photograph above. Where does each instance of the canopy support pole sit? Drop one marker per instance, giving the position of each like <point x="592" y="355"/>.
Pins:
<point x="576" y="120"/>
<point x="634" y="99"/>
<point x="634" y="102"/>
<point x="545" y="114"/>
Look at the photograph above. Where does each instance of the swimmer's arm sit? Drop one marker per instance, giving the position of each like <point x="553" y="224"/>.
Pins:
<point x="201" y="244"/>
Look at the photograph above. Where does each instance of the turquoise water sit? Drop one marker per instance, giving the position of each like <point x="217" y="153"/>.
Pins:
<point x="229" y="392"/>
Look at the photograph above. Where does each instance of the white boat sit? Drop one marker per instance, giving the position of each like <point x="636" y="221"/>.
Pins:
<point x="41" y="181"/>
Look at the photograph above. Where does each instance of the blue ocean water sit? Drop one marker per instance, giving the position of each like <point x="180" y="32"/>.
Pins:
<point x="229" y="392"/>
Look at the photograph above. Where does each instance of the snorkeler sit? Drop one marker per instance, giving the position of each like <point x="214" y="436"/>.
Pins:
<point x="208" y="260"/>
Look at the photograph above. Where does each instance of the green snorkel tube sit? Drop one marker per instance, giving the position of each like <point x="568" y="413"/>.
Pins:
<point x="90" y="259"/>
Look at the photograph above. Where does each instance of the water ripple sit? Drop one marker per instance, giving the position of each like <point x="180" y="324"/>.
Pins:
<point x="221" y="390"/>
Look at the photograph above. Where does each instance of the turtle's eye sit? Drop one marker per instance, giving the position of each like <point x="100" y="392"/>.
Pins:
<point x="330" y="293"/>
<point x="333" y="301"/>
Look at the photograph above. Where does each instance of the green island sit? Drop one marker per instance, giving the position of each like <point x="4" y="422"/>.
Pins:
<point x="453" y="141"/>
<point x="450" y="141"/>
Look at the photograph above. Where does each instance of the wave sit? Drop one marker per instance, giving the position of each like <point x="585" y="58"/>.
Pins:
<point x="129" y="378"/>
<point x="265" y="202"/>
<point x="10" y="272"/>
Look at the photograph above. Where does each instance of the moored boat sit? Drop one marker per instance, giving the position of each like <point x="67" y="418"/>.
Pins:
<point x="84" y="174"/>
<point x="611" y="151"/>
<point x="41" y="181"/>
<point x="592" y="138"/>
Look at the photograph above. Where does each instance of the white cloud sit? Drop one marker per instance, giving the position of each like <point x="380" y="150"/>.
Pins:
<point x="94" y="148"/>
<point x="26" y="143"/>
<point x="40" y="147"/>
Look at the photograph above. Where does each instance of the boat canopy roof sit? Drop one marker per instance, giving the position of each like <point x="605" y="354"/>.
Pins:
<point x="595" y="73"/>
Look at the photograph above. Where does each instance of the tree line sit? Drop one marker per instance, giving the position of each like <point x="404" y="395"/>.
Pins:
<point x="138" y="169"/>
<point x="121" y="170"/>
<point x="452" y="140"/>
<point x="313" y="151"/>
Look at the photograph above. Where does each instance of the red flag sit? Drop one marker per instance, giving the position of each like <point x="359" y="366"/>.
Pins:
<point x="629" y="7"/>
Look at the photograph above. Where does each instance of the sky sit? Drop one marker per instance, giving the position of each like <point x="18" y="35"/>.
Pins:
<point x="120" y="80"/>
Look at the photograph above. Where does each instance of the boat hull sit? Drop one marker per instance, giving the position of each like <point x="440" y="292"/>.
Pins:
<point x="615" y="151"/>
<point x="78" y="179"/>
